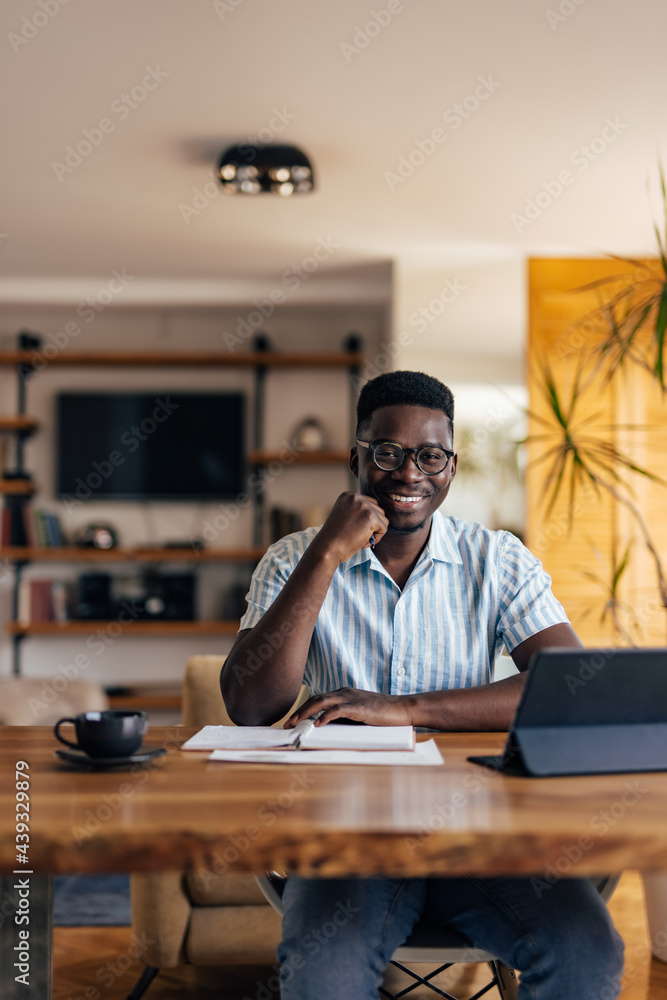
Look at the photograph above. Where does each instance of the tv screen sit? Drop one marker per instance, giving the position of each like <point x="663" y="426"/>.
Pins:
<point x="150" y="445"/>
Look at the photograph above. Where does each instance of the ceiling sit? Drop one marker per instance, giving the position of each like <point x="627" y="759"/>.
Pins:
<point x="357" y="101"/>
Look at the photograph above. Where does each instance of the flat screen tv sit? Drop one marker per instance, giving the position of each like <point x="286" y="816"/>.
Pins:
<point x="150" y="445"/>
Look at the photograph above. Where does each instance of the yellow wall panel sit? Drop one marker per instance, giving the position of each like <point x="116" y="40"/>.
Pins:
<point x="562" y="332"/>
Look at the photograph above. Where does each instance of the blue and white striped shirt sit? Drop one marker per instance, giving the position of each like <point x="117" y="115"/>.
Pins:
<point x="471" y="593"/>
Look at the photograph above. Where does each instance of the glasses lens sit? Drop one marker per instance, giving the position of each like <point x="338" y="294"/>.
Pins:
<point x="388" y="456"/>
<point x="432" y="460"/>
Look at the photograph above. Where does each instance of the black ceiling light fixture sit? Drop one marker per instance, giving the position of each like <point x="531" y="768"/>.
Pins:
<point x="273" y="169"/>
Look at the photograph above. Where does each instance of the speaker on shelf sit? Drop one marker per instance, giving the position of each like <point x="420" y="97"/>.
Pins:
<point x="179" y="593"/>
<point x="166" y="597"/>
<point x="94" y="599"/>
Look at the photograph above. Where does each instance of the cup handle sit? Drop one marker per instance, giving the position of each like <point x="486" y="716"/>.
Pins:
<point x="75" y="746"/>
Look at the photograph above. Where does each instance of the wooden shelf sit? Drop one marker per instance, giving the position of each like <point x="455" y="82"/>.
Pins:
<point x="72" y="553"/>
<point x="149" y="700"/>
<point x="21" y="487"/>
<point x="131" y="628"/>
<point x="14" y="422"/>
<point x="330" y="457"/>
<point x="183" y="359"/>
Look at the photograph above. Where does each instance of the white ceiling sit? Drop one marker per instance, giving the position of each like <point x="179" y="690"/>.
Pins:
<point x="555" y="85"/>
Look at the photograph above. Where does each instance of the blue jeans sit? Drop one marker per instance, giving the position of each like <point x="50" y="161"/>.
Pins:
<point x="339" y="934"/>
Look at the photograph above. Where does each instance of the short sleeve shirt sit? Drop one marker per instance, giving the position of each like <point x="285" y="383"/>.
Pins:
<point x="472" y="593"/>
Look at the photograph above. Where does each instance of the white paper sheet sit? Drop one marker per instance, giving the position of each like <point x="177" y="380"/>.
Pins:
<point x="424" y="754"/>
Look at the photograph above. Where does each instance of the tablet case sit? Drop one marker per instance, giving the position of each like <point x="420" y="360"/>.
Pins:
<point x="589" y="711"/>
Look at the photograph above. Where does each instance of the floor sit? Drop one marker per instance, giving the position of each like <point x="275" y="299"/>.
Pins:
<point x="99" y="963"/>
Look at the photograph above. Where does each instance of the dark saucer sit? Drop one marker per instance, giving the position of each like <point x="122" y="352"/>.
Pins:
<point x="83" y="760"/>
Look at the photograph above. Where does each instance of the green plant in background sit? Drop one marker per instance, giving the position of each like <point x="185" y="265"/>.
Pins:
<point x="629" y="324"/>
<point x="608" y="580"/>
<point x="638" y="307"/>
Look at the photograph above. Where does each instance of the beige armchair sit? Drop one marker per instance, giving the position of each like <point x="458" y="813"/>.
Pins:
<point x="41" y="701"/>
<point x="202" y="918"/>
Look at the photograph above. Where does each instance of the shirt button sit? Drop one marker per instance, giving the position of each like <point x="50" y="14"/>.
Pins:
<point x="400" y="671"/>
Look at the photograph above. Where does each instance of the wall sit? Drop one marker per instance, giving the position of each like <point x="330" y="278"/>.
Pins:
<point x="290" y="397"/>
<point x="462" y="320"/>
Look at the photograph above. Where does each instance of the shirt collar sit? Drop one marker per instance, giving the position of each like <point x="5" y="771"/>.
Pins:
<point x="441" y="545"/>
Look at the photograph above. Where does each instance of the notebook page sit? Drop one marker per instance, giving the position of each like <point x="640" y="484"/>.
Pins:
<point x="239" y="738"/>
<point x="330" y="737"/>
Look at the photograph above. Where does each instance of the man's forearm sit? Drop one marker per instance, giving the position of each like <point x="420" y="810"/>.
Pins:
<point x="490" y="707"/>
<point x="264" y="671"/>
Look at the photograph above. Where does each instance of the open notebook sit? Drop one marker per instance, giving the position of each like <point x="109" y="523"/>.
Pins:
<point x="306" y="736"/>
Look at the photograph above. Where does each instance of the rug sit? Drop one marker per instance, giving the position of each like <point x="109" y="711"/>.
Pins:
<point x="92" y="901"/>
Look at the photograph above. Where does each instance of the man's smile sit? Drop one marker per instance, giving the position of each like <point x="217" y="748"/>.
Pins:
<point x="395" y="501"/>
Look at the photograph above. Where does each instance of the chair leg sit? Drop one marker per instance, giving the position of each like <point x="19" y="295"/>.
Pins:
<point x="143" y="982"/>
<point x="506" y="981"/>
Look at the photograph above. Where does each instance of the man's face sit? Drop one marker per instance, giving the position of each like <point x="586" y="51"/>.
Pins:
<point x="407" y="495"/>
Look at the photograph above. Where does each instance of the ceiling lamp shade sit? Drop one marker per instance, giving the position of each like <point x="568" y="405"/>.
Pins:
<point x="248" y="169"/>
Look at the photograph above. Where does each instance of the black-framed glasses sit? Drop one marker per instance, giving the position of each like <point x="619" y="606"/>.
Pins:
<point x="388" y="456"/>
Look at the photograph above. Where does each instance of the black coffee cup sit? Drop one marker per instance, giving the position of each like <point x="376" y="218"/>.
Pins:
<point x="114" y="733"/>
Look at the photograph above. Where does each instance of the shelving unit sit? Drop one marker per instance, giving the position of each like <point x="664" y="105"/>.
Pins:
<point x="28" y="554"/>
<point x="17" y="487"/>
<point x="28" y="364"/>
<point x="168" y="628"/>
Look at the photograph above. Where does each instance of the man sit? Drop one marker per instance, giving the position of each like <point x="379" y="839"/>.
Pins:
<point x="393" y="614"/>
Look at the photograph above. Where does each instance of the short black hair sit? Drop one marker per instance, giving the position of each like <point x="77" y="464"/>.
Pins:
<point x="404" y="389"/>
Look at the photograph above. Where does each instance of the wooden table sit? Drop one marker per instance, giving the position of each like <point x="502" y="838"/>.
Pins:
<point x="183" y="811"/>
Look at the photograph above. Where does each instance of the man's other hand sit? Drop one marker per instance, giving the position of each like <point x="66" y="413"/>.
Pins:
<point x="358" y="706"/>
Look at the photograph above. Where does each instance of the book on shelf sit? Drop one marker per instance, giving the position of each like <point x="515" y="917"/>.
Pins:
<point x="17" y="528"/>
<point x="23" y="525"/>
<point x="47" y="528"/>
<point x="43" y="601"/>
<point x="60" y="600"/>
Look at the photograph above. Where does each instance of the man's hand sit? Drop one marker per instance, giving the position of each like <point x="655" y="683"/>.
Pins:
<point x="359" y="706"/>
<point x="348" y="528"/>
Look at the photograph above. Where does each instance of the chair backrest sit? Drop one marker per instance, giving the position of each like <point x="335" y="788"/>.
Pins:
<point x="41" y="701"/>
<point x="202" y="701"/>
